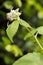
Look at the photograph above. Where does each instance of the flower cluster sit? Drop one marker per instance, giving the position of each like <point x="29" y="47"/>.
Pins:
<point x="13" y="14"/>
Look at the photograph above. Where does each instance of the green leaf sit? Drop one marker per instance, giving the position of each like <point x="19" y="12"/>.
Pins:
<point x="18" y="3"/>
<point x="31" y="33"/>
<point x="24" y="23"/>
<point x="40" y="30"/>
<point x="12" y="29"/>
<point x="30" y="59"/>
<point x="6" y="41"/>
<point x="7" y="59"/>
<point x="8" y="5"/>
<point x="40" y="14"/>
<point x="14" y="49"/>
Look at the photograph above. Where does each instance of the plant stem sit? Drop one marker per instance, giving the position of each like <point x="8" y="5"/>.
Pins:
<point x="38" y="42"/>
<point x="35" y="36"/>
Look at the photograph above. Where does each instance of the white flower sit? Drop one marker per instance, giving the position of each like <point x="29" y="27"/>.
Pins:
<point x="13" y="14"/>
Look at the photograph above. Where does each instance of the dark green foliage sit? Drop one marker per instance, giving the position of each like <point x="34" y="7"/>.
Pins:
<point x="21" y="36"/>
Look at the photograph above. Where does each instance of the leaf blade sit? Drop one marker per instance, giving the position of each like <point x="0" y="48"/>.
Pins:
<point x="30" y="59"/>
<point x="24" y="23"/>
<point x="12" y="29"/>
<point x="40" y="30"/>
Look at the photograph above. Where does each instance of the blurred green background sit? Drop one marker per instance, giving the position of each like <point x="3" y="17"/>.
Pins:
<point x="32" y="12"/>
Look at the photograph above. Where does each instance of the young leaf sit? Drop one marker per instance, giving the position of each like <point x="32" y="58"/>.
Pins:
<point x="40" y="30"/>
<point x="14" y="49"/>
<point x="30" y="34"/>
<point x="24" y="23"/>
<point x="12" y="29"/>
<point x="30" y="59"/>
